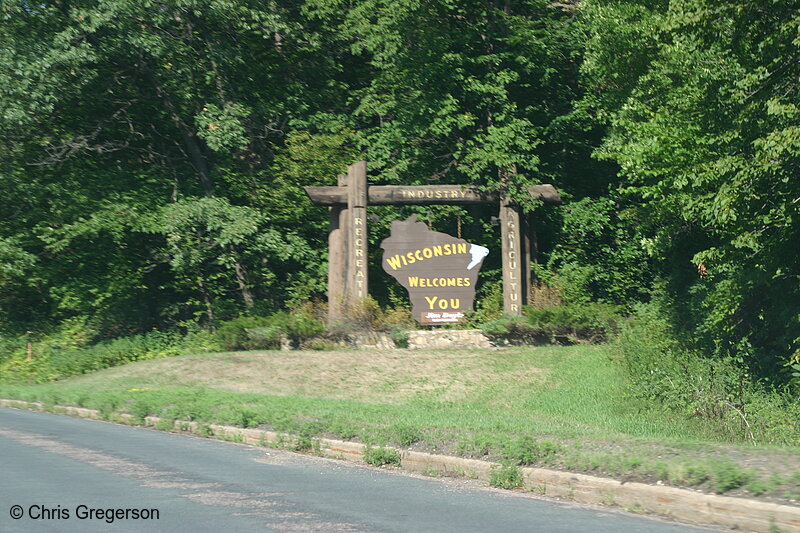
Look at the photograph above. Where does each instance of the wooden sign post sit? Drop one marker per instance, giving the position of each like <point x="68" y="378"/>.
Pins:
<point x="514" y="288"/>
<point x="357" y="205"/>
<point x="347" y="241"/>
<point x="338" y="246"/>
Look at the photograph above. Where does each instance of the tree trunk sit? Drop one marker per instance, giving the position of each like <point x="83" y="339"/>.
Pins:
<point x="188" y="136"/>
<point x="206" y="300"/>
<point x="241" y="280"/>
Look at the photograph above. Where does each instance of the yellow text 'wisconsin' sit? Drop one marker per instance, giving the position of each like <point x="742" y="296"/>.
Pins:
<point x="401" y="260"/>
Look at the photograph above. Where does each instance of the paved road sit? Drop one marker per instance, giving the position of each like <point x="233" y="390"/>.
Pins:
<point x="65" y="474"/>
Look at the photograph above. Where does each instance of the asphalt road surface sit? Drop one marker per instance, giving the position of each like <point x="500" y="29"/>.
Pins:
<point x="67" y="474"/>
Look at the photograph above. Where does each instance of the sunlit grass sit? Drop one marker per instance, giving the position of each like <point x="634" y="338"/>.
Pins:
<point x="569" y="401"/>
<point x="562" y="392"/>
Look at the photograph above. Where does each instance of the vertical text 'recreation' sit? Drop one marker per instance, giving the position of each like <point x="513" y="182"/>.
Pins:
<point x="359" y="256"/>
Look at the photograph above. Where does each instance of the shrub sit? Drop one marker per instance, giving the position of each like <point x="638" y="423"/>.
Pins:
<point x="366" y="315"/>
<point x="117" y="352"/>
<point x="266" y="338"/>
<point x="260" y="333"/>
<point x="718" y="389"/>
<point x="398" y="321"/>
<point x="320" y="344"/>
<point x="399" y="318"/>
<point x="10" y="345"/>
<point x="509" y="328"/>
<point x="233" y="334"/>
<point x="302" y="324"/>
<point x="200" y="340"/>
<point x="489" y="303"/>
<point x="19" y="369"/>
<point x="544" y="295"/>
<point x="399" y="336"/>
<point x="590" y="322"/>
<point x="57" y="357"/>
<point x="660" y="369"/>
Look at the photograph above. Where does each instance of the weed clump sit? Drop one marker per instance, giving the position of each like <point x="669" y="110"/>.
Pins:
<point x="725" y="476"/>
<point x="405" y="434"/>
<point x="506" y="476"/>
<point x="381" y="456"/>
<point x="476" y="446"/>
<point x="528" y="451"/>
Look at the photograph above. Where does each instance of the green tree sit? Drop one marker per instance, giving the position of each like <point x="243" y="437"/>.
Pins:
<point x="114" y="110"/>
<point x="152" y="154"/>
<point x="703" y="124"/>
<point x="217" y="248"/>
<point x="471" y="91"/>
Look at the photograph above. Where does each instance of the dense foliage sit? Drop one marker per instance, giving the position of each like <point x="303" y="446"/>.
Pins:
<point x="566" y="323"/>
<point x="153" y="153"/>
<point x="703" y="124"/>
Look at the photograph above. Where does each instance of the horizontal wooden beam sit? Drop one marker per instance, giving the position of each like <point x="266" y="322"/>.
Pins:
<point x="424" y="194"/>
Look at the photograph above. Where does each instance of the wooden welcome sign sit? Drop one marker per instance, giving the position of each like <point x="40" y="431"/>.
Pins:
<point x="439" y="271"/>
<point x="347" y="246"/>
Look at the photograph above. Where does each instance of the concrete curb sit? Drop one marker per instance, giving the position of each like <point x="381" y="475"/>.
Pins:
<point x="680" y="504"/>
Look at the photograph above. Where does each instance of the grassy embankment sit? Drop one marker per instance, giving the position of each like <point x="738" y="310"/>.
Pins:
<point x="561" y="407"/>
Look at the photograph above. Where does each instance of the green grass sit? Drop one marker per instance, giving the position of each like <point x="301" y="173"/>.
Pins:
<point x="575" y="393"/>
<point x="562" y="407"/>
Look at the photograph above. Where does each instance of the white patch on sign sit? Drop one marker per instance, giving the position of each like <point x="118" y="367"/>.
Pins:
<point x="478" y="253"/>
